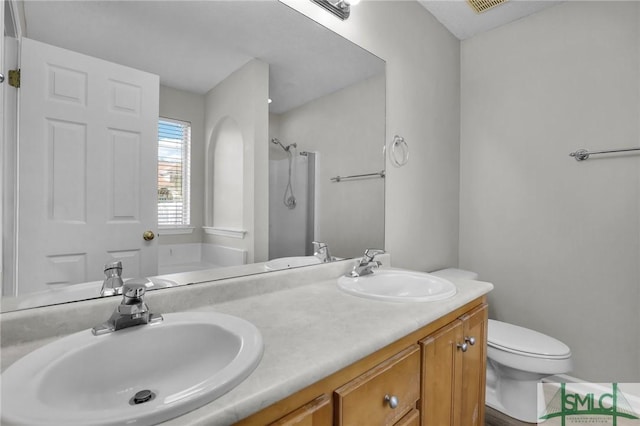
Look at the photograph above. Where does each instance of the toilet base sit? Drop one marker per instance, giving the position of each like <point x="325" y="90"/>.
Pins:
<point x="512" y="392"/>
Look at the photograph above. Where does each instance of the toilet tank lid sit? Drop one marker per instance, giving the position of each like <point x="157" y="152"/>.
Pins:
<point x="454" y="273"/>
<point x="513" y="338"/>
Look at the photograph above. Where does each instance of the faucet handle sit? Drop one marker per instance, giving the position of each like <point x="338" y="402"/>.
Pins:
<point x="112" y="283"/>
<point x="113" y="268"/>
<point x="318" y="245"/>
<point x="370" y="253"/>
<point x="321" y="251"/>
<point x="134" y="290"/>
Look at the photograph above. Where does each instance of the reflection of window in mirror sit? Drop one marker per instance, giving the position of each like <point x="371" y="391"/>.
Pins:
<point x="174" y="142"/>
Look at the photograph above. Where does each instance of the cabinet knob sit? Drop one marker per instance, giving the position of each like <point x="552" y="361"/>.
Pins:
<point x="463" y="347"/>
<point x="392" y="400"/>
<point x="471" y="340"/>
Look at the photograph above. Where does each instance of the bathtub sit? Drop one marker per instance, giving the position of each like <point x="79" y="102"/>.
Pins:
<point x="175" y="258"/>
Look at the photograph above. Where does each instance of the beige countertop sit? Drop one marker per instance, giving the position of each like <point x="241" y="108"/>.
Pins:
<point x="310" y="331"/>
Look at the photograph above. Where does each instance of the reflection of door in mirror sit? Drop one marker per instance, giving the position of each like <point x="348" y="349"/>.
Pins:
<point x="86" y="195"/>
<point x="299" y="62"/>
<point x="9" y="107"/>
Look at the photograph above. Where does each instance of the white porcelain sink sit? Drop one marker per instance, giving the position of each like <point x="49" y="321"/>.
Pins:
<point x="398" y="285"/>
<point x="291" y="262"/>
<point x="186" y="361"/>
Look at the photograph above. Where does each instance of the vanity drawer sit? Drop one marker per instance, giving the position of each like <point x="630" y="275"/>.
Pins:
<point x="315" y="413"/>
<point x="368" y="399"/>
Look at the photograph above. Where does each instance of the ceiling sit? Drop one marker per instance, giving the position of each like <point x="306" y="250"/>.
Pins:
<point x="463" y="22"/>
<point x="194" y="45"/>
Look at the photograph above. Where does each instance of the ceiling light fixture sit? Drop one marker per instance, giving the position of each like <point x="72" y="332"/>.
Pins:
<point x="340" y="8"/>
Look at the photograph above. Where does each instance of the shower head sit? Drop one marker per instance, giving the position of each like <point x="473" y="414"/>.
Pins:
<point x="276" y="141"/>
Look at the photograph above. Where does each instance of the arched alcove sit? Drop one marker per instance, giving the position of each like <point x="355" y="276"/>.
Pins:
<point x="225" y="178"/>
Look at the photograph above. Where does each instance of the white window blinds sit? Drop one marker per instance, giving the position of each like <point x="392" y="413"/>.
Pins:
<point x="174" y="142"/>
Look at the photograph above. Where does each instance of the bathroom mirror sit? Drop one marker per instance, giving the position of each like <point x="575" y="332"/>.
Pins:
<point x="325" y="119"/>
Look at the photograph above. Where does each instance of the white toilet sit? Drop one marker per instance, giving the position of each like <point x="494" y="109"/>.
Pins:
<point x="517" y="359"/>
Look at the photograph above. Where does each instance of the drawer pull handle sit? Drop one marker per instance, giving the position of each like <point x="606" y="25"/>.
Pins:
<point x="463" y="347"/>
<point x="471" y="340"/>
<point x="392" y="400"/>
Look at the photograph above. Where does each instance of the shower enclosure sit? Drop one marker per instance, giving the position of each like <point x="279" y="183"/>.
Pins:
<point x="291" y="203"/>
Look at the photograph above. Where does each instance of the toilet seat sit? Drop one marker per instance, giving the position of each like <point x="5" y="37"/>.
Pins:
<point x="523" y="341"/>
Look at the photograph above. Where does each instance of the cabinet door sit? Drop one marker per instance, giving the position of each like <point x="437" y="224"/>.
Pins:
<point x="411" y="419"/>
<point x="382" y="395"/>
<point x="315" y="413"/>
<point x="442" y="376"/>
<point x="474" y="364"/>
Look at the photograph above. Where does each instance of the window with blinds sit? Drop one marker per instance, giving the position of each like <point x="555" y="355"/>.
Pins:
<point x="174" y="143"/>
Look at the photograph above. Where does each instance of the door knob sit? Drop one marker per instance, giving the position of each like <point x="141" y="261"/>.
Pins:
<point x="148" y="235"/>
<point x="463" y="347"/>
<point x="471" y="340"/>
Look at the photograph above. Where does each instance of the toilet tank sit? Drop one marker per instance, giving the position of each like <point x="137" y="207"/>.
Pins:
<point x="454" y="273"/>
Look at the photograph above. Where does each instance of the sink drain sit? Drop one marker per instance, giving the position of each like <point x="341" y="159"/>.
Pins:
<point x="142" y="397"/>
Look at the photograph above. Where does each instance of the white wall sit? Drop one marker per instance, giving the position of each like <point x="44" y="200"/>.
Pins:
<point x="242" y="97"/>
<point x="422" y="93"/>
<point x="225" y="164"/>
<point x="558" y="238"/>
<point x="346" y="130"/>
<point x="189" y="107"/>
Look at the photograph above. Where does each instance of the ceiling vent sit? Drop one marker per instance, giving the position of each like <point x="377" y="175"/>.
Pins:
<point x="483" y="5"/>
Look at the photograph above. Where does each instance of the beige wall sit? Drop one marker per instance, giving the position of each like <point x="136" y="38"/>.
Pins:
<point x="422" y="93"/>
<point x="558" y="238"/>
<point x="187" y="106"/>
<point x="346" y="130"/>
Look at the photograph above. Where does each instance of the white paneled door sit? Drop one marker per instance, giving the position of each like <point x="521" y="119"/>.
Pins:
<point x="86" y="168"/>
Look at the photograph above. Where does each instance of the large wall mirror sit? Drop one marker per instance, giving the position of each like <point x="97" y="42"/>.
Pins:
<point x="229" y="129"/>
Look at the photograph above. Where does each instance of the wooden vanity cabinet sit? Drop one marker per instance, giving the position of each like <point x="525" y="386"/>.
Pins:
<point x="437" y="380"/>
<point x="454" y="368"/>
<point x="382" y="395"/>
<point x="411" y="419"/>
<point x="316" y="413"/>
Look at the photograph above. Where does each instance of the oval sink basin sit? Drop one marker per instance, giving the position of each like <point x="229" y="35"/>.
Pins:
<point x="291" y="262"/>
<point x="398" y="285"/>
<point x="178" y="364"/>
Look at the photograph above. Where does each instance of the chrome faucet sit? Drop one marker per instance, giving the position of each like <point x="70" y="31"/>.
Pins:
<point x="366" y="265"/>
<point x="112" y="283"/>
<point x="132" y="310"/>
<point x="321" y="251"/>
